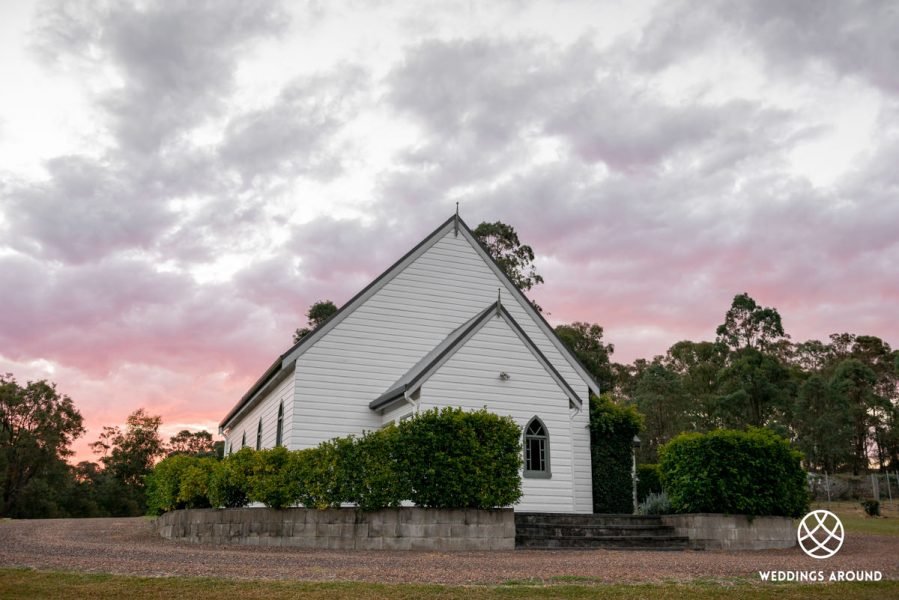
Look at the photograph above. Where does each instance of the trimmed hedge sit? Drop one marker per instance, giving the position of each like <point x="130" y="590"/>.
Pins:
<point x="648" y="481"/>
<point x="229" y="484"/>
<point x="443" y="459"/>
<point x="753" y="472"/>
<point x="457" y="459"/>
<point x="612" y="431"/>
<point x="270" y="481"/>
<point x="179" y="481"/>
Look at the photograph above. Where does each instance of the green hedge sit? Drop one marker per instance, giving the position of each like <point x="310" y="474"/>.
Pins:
<point x="612" y="431"/>
<point x="457" y="459"/>
<point x="270" y="481"/>
<point x="753" y="472"/>
<point x="447" y="458"/>
<point x="372" y="474"/>
<point x="179" y="481"/>
<point x="229" y="485"/>
<point x="648" y="481"/>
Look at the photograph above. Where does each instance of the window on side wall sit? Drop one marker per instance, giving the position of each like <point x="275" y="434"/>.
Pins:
<point x="259" y="435"/>
<point x="280" y="430"/>
<point x="536" y="450"/>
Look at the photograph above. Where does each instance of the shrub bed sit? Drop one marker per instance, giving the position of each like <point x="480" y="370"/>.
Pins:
<point x="445" y="458"/>
<point x="457" y="459"/>
<point x="752" y="472"/>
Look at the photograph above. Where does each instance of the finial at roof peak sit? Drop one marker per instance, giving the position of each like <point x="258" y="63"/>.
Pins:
<point x="456" y="221"/>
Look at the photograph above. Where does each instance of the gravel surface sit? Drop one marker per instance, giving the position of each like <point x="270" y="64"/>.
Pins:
<point x="129" y="546"/>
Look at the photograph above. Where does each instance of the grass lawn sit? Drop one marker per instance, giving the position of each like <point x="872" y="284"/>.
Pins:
<point x="856" y="521"/>
<point x="24" y="583"/>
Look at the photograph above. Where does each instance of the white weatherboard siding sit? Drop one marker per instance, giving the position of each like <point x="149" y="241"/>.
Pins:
<point x="268" y="410"/>
<point x="395" y="413"/>
<point x="583" y="472"/>
<point x="374" y="345"/>
<point x="470" y="380"/>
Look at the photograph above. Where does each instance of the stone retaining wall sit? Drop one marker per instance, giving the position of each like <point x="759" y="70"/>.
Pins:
<point x="344" y="528"/>
<point x="708" y="531"/>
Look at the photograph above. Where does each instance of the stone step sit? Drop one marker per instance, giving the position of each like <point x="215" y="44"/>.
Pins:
<point x="621" y="532"/>
<point x="593" y="531"/>
<point x="666" y="542"/>
<point x="584" y="519"/>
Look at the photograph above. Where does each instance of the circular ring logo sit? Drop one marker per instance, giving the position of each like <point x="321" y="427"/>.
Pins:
<point x="820" y="534"/>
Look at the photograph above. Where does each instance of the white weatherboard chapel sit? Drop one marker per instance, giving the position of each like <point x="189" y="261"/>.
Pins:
<point x="443" y="326"/>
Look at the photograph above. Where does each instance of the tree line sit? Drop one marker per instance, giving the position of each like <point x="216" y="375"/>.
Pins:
<point x="37" y="427"/>
<point x="836" y="400"/>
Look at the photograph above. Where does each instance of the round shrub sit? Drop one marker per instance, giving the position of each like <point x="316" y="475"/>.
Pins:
<point x="164" y="483"/>
<point x="319" y="474"/>
<point x="194" y="489"/>
<point x="655" y="504"/>
<point x="271" y="481"/>
<point x="229" y="482"/>
<point x="457" y="459"/>
<point x="752" y="472"/>
<point x="374" y="478"/>
<point x="872" y="507"/>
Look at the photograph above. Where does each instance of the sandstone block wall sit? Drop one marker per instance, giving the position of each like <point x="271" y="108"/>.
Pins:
<point x="344" y="528"/>
<point x="733" y="532"/>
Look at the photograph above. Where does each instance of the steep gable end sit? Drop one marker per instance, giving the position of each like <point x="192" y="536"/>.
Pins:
<point x="415" y="377"/>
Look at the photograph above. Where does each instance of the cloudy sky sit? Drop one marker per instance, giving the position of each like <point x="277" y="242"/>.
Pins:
<point x="179" y="180"/>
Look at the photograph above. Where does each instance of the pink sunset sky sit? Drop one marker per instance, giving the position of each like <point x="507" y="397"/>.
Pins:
<point x="180" y="180"/>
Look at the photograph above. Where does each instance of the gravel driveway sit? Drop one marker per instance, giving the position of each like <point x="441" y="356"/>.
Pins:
<point x="130" y="546"/>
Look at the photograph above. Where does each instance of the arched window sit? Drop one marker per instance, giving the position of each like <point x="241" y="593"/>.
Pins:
<point x="243" y="439"/>
<point x="280" y="430"/>
<point x="259" y="435"/>
<point x="536" y="449"/>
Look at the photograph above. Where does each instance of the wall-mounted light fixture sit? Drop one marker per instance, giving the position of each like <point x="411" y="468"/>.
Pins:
<point x="503" y="376"/>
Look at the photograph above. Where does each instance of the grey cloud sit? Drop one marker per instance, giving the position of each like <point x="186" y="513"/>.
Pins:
<point x="489" y="99"/>
<point x="627" y="128"/>
<point x="176" y="59"/>
<point x="97" y="316"/>
<point x="85" y="209"/>
<point x="294" y="134"/>
<point x="177" y="62"/>
<point x="333" y="250"/>
<point x="854" y="38"/>
<point x="858" y="37"/>
<point x="479" y="97"/>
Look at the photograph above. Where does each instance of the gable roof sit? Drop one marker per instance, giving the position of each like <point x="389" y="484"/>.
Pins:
<point x="294" y="352"/>
<point x="415" y="377"/>
<point x="288" y="359"/>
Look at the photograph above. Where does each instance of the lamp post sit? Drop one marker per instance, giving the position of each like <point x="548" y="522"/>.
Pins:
<point x="636" y="445"/>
